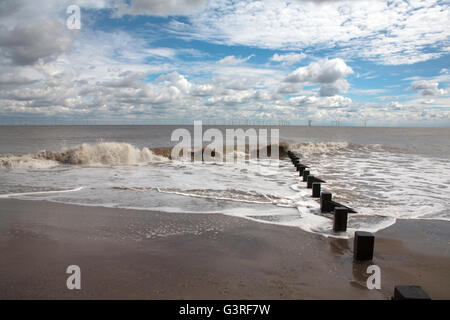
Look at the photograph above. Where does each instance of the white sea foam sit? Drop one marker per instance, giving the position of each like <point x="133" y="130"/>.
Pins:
<point x="25" y="162"/>
<point x="227" y="194"/>
<point x="310" y="148"/>
<point x="35" y="193"/>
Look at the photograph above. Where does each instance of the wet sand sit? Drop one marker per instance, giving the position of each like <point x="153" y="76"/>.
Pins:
<point x="133" y="254"/>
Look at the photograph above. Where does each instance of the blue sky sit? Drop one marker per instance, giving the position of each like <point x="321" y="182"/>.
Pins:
<point x="149" y="61"/>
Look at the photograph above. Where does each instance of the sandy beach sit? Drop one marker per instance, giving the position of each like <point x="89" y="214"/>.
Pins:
<point x="133" y="254"/>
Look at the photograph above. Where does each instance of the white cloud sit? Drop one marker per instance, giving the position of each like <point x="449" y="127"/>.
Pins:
<point x="161" y="52"/>
<point x="177" y="80"/>
<point x="427" y="88"/>
<point x="324" y="71"/>
<point x="288" y="59"/>
<point x="395" y="105"/>
<point x="329" y="73"/>
<point x="232" y="60"/>
<point x="290" y="88"/>
<point x="333" y="88"/>
<point x="321" y="102"/>
<point x="203" y="90"/>
<point x="388" y="32"/>
<point x="105" y="74"/>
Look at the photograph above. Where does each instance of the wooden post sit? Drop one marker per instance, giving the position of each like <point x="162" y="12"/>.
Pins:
<point x="316" y="189"/>
<point x="305" y="175"/>
<point x="309" y="181"/>
<point x="300" y="170"/>
<point x="324" y="198"/>
<point x="340" y="219"/>
<point x="410" y="293"/>
<point x="363" y="246"/>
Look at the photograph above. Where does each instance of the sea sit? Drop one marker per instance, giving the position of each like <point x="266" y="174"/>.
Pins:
<point x="383" y="173"/>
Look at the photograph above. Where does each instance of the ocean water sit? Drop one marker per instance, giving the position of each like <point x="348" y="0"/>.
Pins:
<point x="385" y="174"/>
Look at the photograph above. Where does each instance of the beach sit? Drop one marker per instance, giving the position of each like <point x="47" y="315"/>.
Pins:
<point x="140" y="254"/>
<point x="225" y="150"/>
<point x="142" y="225"/>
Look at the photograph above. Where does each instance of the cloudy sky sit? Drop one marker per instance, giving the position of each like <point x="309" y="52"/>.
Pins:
<point x="174" y="61"/>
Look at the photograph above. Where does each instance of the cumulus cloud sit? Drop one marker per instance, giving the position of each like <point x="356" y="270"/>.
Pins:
<point x="177" y="80"/>
<point x="203" y="90"/>
<point x="321" y="102"/>
<point x="329" y="73"/>
<point x="126" y="79"/>
<point x="290" y="88"/>
<point x="427" y="88"/>
<point x="288" y="59"/>
<point x="333" y="88"/>
<point x="238" y="98"/>
<point x="28" y="42"/>
<point x="117" y="74"/>
<point x="325" y="71"/>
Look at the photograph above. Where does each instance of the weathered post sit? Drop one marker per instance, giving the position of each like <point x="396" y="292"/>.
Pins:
<point x="309" y="181"/>
<point x="305" y="175"/>
<point x="410" y="293"/>
<point x="363" y="246"/>
<point x="316" y="189"/>
<point x="300" y="169"/>
<point x="340" y="219"/>
<point x="324" y="198"/>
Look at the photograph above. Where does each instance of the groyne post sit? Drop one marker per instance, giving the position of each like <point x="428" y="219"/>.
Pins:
<point x="309" y="181"/>
<point x="325" y="197"/>
<point x="316" y="189"/>
<point x="305" y="175"/>
<point x="410" y="293"/>
<point x="363" y="246"/>
<point x="340" y="219"/>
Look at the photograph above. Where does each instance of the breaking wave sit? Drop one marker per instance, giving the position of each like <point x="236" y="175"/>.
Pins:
<point x="105" y="153"/>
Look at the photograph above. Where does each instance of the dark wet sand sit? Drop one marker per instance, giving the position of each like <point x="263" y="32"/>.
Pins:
<point x="132" y="254"/>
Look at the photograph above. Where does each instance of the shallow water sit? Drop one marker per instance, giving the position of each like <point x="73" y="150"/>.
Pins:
<point x="383" y="173"/>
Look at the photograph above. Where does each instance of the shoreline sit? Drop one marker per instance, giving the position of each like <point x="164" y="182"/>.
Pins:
<point x="138" y="254"/>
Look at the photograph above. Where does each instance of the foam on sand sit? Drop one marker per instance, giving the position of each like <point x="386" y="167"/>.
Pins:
<point x="15" y="195"/>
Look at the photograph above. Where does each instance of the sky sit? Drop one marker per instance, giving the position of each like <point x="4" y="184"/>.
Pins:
<point x="374" y="63"/>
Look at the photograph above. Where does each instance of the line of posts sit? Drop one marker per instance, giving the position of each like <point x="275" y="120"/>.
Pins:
<point x="363" y="243"/>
